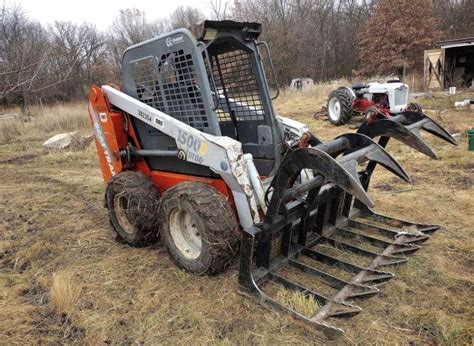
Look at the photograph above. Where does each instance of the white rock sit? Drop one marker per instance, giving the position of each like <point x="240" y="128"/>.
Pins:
<point x="11" y="116"/>
<point x="61" y="141"/>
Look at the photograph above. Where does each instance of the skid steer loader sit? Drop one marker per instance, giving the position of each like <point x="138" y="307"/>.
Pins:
<point x="192" y="153"/>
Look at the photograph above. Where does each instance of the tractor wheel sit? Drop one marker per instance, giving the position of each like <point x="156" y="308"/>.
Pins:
<point x="340" y="106"/>
<point x="133" y="205"/>
<point x="198" y="228"/>
<point x="415" y="107"/>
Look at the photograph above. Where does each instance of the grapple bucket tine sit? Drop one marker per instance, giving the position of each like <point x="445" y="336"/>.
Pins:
<point x="339" y="309"/>
<point x="360" y="291"/>
<point x="420" y="120"/>
<point x="416" y="239"/>
<point x="343" y="310"/>
<point x="383" y="158"/>
<point x="365" y="149"/>
<point x="319" y="161"/>
<point x="439" y="131"/>
<point x="375" y="276"/>
<point x="389" y="128"/>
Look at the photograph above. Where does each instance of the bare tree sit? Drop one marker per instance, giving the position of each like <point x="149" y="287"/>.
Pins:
<point x="220" y="8"/>
<point x="130" y="27"/>
<point x="309" y="38"/>
<point x="24" y="57"/>
<point x="185" y="17"/>
<point x="456" y="17"/>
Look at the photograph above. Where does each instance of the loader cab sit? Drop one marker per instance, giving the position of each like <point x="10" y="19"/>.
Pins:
<point x="215" y="83"/>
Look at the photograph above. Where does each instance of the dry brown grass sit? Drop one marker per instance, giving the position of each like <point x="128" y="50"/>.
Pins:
<point x="39" y="122"/>
<point x="298" y="301"/>
<point x="64" y="294"/>
<point x="53" y="221"/>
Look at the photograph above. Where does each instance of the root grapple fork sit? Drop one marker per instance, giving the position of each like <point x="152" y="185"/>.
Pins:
<point x="332" y="213"/>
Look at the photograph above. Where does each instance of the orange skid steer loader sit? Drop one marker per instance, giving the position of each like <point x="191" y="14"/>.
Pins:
<point x="193" y="154"/>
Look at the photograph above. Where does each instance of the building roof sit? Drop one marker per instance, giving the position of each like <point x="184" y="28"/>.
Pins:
<point x="458" y="42"/>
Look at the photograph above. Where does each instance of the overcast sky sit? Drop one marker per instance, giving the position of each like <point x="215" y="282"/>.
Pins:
<point x="101" y="12"/>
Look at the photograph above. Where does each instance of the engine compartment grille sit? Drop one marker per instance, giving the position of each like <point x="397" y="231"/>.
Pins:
<point x="401" y="96"/>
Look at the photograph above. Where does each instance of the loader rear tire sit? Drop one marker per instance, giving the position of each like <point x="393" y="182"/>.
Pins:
<point x="198" y="228"/>
<point x="133" y="205"/>
<point x="339" y="106"/>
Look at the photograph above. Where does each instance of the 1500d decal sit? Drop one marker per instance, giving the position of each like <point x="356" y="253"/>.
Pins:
<point x="196" y="148"/>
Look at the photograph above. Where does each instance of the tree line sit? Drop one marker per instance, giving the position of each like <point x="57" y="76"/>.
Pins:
<point x="320" y="39"/>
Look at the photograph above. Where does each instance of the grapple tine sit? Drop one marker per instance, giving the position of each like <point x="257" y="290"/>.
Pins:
<point x="385" y="159"/>
<point x="377" y="277"/>
<point x="338" y="309"/>
<point x="363" y="148"/>
<point x="360" y="291"/>
<point x="393" y="129"/>
<point x="420" y="120"/>
<point x="324" y="165"/>
<point x="371" y="275"/>
<point x="416" y="238"/>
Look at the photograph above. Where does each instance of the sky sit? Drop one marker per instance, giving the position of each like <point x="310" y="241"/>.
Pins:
<point x="101" y="12"/>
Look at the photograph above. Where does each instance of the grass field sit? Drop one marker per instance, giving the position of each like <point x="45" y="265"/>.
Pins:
<point x="64" y="278"/>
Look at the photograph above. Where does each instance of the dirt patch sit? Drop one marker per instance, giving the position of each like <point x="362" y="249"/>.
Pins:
<point x="462" y="182"/>
<point x="20" y="160"/>
<point x="469" y="166"/>
<point x="384" y="187"/>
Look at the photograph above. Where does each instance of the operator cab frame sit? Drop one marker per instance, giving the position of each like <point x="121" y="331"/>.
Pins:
<point x="215" y="83"/>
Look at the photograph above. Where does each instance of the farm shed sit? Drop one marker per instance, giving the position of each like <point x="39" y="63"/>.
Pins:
<point x="450" y="64"/>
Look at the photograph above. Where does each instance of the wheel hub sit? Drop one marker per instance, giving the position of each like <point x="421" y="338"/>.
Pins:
<point x="185" y="234"/>
<point x="334" y="109"/>
<point x="121" y="206"/>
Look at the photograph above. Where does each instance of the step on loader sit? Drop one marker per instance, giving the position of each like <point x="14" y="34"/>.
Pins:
<point x="193" y="155"/>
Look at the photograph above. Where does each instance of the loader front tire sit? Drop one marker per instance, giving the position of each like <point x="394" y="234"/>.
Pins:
<point x="339" y="106"/>
<point x="133" y="205"/>
<point x="198" y="228"/>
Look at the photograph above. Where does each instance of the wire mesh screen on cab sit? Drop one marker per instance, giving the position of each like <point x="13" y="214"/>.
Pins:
<point x="237" y="88"/>
<point x="168" y="83"/>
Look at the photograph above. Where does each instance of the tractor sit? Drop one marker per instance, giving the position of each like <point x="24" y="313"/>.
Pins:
<point x="372" y="100"/>
<point x="194" y="156"/>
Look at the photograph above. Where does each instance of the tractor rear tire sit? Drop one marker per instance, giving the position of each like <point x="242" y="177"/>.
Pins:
<point x="133" y="205"/>
<point x="339" y="106"/>
<point x="198" y="228"/>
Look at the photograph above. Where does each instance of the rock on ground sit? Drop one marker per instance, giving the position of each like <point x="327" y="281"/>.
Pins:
<point x="69" y="140"/>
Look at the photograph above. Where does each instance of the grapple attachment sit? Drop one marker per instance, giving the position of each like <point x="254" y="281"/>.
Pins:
<point x="319" y="239"/>
<point x="399" y="127"/>
<point x="406" y="128"/>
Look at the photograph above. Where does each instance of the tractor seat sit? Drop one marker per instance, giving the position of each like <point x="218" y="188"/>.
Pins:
<point x="359" y="85"/>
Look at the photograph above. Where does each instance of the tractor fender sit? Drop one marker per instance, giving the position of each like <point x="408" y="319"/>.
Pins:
<point x="350" y="91"/>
